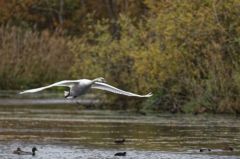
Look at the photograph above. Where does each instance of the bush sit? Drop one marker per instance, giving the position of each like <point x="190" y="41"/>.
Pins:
<point x="30" y="58"/>
<point x="189" y="49"/>
<point x="185" y="52"/>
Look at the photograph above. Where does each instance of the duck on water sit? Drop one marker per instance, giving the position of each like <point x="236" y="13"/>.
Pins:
<point x="81" y="86"/>
<point x="119" y="141"/>
<point x="120" y="154"/>
<point x="19" y="151"/>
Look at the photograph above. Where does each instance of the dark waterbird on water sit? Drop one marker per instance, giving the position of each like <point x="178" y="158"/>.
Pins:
<point x="228" y="148"/>
<point x="119" y="141"/>
<point x="120" y="154"/>
<point x="205" y="150"/>
<point x="81" y="86"/>
<point x="20" y="152"/>
<point x="17" y="151"/>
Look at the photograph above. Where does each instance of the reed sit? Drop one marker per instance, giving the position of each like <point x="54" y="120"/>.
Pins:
<point x="31" y="58"/>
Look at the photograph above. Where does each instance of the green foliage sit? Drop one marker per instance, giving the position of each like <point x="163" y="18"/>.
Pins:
<point x="185" y="52"/>
<point x="187" y="48"/>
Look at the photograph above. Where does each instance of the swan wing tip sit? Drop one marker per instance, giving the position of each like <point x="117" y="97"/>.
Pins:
<point x="149" y="94"/>
<point x="26" y="91"/>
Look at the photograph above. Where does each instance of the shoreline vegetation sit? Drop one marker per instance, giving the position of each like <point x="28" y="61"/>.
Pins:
<point x="186" y="52"/>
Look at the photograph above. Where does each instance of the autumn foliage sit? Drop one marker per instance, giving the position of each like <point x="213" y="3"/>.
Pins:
<point x="186" y="52"/>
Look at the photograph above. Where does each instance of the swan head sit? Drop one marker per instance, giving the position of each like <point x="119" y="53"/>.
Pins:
<point x="100" y="79"/>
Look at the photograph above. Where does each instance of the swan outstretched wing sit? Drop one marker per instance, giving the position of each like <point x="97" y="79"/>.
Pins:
<point x="107" y="87"/>
<point x="66" y="83"/>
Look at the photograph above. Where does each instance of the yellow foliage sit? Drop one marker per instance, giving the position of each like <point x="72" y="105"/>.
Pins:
<point x="186" y="52"/>
<point x="184" y="47"/>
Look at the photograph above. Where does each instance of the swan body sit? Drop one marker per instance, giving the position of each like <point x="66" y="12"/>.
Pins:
<point x="81" y="86"/>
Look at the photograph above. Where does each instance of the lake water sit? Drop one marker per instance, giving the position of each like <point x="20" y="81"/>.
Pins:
<point x="68" y="131"/>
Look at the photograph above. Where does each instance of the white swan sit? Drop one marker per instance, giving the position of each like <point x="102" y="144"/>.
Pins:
<point x="81" y="86"/>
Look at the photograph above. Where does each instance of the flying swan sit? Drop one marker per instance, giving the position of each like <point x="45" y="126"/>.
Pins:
<point x="81" y="86"/>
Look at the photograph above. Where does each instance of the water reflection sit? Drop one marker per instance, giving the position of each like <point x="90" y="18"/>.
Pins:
<point x="67" y="126"/>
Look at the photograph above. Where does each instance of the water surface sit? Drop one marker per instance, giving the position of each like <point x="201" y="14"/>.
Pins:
<point x="67" y="131"/>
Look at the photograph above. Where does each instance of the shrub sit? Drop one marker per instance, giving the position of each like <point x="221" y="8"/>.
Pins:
<point x="30" y="58"/>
